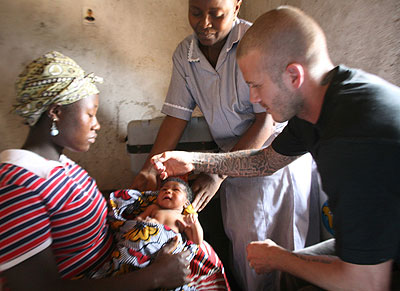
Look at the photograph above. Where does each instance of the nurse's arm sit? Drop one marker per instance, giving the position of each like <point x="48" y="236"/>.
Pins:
<point x="257" y="134"/>
<point x="168" y="136"/>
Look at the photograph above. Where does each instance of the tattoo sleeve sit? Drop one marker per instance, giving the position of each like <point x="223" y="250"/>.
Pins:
<point x="246" y="163"/>
<point x="318" y="259"/>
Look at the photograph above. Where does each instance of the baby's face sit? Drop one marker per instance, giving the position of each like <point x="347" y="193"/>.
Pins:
<point x="172" y="195"/>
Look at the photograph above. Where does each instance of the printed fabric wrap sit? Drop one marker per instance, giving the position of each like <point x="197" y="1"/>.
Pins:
<point x="51" y="79"/>
<point x="138" y="242"/>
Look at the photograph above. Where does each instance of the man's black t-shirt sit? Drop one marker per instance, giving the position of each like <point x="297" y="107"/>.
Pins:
<point x="356" y="145"/>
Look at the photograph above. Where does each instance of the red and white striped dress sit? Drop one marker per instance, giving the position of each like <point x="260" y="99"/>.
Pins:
<point x="48" y="203"/>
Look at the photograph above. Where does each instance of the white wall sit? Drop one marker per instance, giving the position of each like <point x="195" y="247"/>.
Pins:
<point x="131" y="46"/>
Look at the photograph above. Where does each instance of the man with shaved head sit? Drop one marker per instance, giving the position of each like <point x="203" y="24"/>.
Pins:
<point x="285" y="40"/>
<point x="349" y="121"/>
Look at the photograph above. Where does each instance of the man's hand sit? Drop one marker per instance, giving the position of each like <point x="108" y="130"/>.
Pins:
<point x="172" y="270"/>
<point x="262" y="255"/>
<point x="205" y="186"/>
<point x="172" y="163"/>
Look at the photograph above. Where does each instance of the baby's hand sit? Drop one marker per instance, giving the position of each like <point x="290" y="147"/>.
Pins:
<point x="190" y="219"/>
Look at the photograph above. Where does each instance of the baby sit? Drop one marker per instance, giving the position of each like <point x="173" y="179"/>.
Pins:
<point x="173" y="198"/>
<point x="143" y="222"/>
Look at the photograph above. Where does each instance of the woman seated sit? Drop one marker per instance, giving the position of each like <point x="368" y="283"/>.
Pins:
<point x="53" y="218"/>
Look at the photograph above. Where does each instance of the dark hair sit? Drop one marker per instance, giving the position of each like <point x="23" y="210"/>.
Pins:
<point x="189" y="193"/>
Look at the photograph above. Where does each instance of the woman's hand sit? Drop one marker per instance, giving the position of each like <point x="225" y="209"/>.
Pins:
<point x="171" y="270"/>
<point x="205" y="186"/>
<point x="40" y="273"/>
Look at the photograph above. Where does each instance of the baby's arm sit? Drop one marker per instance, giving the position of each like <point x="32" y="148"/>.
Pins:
<point x="193" y="229"/>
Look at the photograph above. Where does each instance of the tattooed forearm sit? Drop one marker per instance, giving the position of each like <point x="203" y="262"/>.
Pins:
<point x="316" y="259"/>
<point x="247" y="163"/>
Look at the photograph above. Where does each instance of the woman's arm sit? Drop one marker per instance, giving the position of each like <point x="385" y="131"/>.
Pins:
<point x="40" y="273"/>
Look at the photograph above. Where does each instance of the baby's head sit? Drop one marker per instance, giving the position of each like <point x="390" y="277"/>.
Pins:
<point x="174" y="194"/>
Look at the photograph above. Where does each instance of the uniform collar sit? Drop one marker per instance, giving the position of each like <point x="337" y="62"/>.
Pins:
<point x="233" y="38"/>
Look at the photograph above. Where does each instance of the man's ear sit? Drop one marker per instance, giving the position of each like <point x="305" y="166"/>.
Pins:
<point x="295" y="75"/>
<point x="54" y="111"/>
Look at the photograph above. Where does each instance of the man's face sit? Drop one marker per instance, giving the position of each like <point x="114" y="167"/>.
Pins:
<point x="271" y="93"/>
<point x="212" y="20"/>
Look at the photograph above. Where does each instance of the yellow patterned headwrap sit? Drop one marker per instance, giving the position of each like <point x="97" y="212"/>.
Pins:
<point x="52" y="78"/>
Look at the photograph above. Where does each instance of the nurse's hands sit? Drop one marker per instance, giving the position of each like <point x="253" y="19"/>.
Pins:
<point x="146" y="180"/>
<point x="172" y="163"/>
<point x="205" y="186"/>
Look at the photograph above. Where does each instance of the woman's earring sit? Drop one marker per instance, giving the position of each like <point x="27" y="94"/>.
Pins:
<point x="53" y="130"/>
